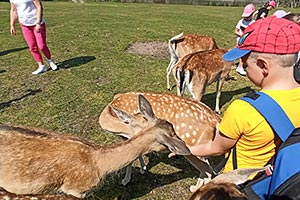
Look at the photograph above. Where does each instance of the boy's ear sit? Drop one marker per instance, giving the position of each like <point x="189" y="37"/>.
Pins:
<point x="264" y="65"/>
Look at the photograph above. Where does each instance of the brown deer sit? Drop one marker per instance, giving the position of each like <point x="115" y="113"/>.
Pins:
<point x="35" y="161"/>
<point x="183" y="44"/>
<point x="198" y="70"/>
<point x="194" y="122"/>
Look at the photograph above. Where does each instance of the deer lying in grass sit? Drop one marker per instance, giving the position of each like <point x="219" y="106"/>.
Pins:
<point x="35" y="161"/>
<point x="183" y="44"/>
<point x="224" y="186"/>
<point x="198" y="70"/>
<point x="194" y="122"/>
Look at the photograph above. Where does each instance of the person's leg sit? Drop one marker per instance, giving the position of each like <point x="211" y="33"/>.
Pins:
<point x="240" y="68"/>
<point x="41" y="38"/>
<point x="28" y="34"/>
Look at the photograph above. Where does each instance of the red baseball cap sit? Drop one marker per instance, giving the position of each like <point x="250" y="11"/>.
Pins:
<point x="270" y="35"/>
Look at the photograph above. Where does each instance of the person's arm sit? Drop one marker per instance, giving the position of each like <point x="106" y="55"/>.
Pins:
<point x="237" y="32"/>
<point x="39" y="13"/>
<point x="263" y="15"/>
<point x="13" y="18"/>
<point x="254" y="14"/>
<point x="220" y="145"/>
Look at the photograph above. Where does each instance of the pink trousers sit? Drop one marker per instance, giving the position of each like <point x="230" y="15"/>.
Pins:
<point x="35" y="41"/>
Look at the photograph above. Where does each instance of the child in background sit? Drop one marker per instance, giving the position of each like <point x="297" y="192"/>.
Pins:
<point x="29" y="13"/>
<point x="264" y="11"/>
<point x="241" y="26"/>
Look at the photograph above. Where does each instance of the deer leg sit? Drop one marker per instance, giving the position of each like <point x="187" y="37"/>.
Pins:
<point x="127" y="177"/>
<point x="178" y="81"/>
<point x="143" y="165"/>
<point x="218" y="95"/>
<point x="170" y="69"/>
<point x="197" y="89"/>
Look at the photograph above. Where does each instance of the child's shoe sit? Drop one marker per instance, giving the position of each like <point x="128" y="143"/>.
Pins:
<point x="40" y="70"/>
<point x="52" y="64"/>
<point x="241" y="70"/>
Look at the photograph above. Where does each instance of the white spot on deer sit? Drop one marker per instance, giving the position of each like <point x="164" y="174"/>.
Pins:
<point x="194" y="133"/>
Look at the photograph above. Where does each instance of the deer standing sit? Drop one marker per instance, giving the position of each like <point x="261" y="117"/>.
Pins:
<point x="198" y="70"/>
<point x="183" y="44"/>
<point x="35" y="161"/>
<point x="194" y="122"/>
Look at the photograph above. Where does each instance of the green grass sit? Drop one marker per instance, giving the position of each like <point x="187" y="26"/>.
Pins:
<point x="89" y="42"/>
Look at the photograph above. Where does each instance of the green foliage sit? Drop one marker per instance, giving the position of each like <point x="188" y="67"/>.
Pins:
<point x="88" y="41"/>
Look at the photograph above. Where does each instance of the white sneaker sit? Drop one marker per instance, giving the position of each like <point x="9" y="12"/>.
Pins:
<point x="52" y="65"/>
<point x="40" y="70"/>
<point x="241" y="70"/>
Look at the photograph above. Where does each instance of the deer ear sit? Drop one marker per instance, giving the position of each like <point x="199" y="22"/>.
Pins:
<point x="124" y="116"/>
<point x="145" y="108"/>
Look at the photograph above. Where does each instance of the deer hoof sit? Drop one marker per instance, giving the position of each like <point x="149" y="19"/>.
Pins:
<point x="143" y="170"/>
<point x="125" y="181"/>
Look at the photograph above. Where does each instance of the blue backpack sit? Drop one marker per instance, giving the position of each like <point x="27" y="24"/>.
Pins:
<point x="283" y="181"/>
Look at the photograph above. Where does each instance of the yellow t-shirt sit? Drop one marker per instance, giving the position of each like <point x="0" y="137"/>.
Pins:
<point x="256" y="143"/>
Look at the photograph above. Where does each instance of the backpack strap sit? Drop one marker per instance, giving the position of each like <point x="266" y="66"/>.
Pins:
<point x="272" y="112"/>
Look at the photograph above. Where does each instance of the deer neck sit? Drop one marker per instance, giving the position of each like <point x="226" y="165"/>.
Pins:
<point x="113" y="158"/>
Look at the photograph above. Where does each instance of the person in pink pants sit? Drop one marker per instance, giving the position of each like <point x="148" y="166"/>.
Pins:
<point x="29" y="13"/>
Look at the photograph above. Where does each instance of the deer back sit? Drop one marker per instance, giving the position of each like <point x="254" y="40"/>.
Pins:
<point x="209" y="63"/>
<point x="194" y="122"/>
<point x="189" y="43"/>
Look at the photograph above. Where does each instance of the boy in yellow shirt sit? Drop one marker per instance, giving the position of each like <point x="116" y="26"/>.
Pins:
<point x="268" y="49"/>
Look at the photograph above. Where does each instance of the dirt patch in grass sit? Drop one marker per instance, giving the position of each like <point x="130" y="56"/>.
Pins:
<point x="154" y="48"/>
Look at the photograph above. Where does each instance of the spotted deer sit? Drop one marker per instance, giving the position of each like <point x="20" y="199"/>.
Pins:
<point x="194" y="122"/>
<point x="183" y="44"/>
<point x="35" y="161"/>
<point x="196" y="71"/>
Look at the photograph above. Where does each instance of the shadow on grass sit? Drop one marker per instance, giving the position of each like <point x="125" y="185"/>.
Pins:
<point x="2" y="71"/>
<point x="226" y="96"/>
<point x="141" y="185"/>
<point x="2" y="53"/>
<point x="75" y="62"/>
<point x="30" y="93"/>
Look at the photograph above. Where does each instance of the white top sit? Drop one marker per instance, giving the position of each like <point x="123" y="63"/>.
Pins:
<point x="242" y="25"/>
<point x="26" y="12"/>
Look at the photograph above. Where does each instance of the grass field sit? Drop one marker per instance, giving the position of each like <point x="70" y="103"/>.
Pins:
<point x="89" y="43"/>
